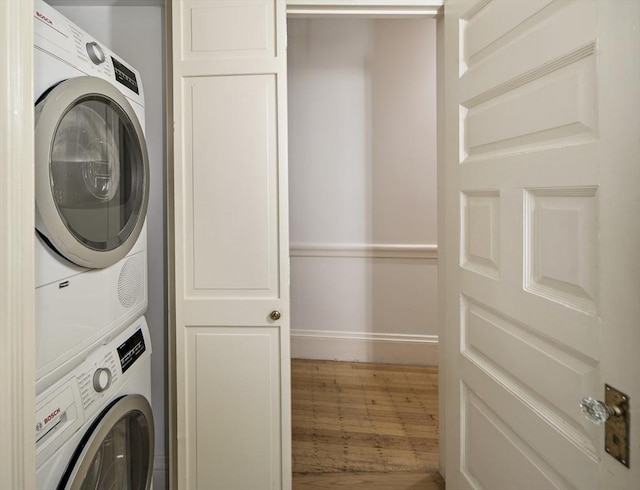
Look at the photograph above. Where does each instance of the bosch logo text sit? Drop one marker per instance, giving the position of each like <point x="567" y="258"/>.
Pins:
<point x="44" y="18"/>
<point x="50" y="417"/>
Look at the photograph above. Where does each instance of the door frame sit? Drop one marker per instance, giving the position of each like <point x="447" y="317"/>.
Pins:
<point x="17" y="212"/>
<point x="441" y="152"/>
<point x="297" y="8"/>
<point x="408" y="10"/>
<point x="17" y="465"/>
<point x="16" y="254"/>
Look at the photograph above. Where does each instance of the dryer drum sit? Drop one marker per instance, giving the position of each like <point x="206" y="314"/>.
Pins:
<point x="85" y="160"/>
<point x="92" y="172"/>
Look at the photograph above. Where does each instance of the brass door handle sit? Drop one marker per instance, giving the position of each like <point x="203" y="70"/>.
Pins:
<point x="275" y="315"/>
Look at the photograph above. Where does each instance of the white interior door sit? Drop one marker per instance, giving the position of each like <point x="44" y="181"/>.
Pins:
<point x="542" y="239"/>
<point x="230" y="247"/>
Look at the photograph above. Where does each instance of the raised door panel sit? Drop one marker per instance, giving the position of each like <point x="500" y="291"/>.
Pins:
<point x="229" y="29"/>
<point x="231" y="244"/>
<point x="235" y="396"/>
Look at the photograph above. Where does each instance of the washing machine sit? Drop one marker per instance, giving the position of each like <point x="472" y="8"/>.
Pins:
<point x="94" y="427"/>
<point x="91" y="188"/>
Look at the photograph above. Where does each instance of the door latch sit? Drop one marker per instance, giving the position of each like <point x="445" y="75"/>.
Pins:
<point x="614" y="414"/>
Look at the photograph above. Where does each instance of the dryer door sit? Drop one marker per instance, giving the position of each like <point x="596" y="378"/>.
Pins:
<point x="92" y="172"/>
<point x="117" y="451"/>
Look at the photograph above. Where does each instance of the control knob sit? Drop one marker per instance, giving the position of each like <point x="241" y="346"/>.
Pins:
<point x="95" y="52"/>
<point x="101" y="379"/>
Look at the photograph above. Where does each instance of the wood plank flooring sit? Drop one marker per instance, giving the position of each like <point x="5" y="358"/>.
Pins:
<point x="364" y="426"/>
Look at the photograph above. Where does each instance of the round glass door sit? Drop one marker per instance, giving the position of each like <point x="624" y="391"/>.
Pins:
<point x="91" y="172"/>
<point x="117" y="453"/>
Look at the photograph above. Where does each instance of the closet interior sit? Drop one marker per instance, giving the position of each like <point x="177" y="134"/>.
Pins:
<point x="362" y="189"/>
<point x="363" y="224"/>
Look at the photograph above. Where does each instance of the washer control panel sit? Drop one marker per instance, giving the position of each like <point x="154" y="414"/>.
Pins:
<point x="98" y="379"/>
<point x="72" y="401"/>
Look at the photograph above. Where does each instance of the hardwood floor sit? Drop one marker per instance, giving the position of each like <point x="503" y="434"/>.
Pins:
<point x="364" y="426"/>
<point x="369" y="481"/>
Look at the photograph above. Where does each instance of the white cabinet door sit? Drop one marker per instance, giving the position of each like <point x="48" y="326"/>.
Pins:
<point x="542" y="239"/>
<point x="230" y="245"/>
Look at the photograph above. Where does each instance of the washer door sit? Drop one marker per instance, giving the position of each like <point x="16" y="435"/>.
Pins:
<point x="92" y="172"/>
<point x="117" y="451"/>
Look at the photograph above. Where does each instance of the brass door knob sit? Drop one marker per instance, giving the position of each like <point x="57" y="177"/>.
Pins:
<point x="275" y="315"/>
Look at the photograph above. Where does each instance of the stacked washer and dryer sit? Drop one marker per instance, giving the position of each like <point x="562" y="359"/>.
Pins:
<point x="94" y="425"/>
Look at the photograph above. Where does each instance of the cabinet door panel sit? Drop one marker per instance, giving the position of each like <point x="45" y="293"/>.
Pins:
<point x="235" y="394"/>
<point x="232" y="248"/>
<point x="229" y="246"/>
<point x="228" y="29"/>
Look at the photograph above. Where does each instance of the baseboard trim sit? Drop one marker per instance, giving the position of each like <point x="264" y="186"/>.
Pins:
<point x="160" y="464"/>
<point x="365" y="347"/>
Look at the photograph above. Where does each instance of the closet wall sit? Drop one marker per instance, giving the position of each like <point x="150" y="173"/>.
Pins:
<point x="362" y="159"/>
<point x="137" y="35"/>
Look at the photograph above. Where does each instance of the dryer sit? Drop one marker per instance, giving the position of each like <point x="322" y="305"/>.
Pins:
<point x="94" y="427"/>
<point x="91" y="186"/>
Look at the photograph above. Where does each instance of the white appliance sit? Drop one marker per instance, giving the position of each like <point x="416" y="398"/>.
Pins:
<point x="94" y="427"/>
<point x="92" y="185"/>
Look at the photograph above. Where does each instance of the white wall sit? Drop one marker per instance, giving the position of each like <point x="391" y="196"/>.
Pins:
<point x="362" y="158"/>
<point x="137" y="35"/>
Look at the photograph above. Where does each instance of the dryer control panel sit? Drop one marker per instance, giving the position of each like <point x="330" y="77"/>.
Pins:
<point x="64" y="40"/>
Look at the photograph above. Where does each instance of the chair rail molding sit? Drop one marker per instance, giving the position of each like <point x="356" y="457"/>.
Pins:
<point x="365" y="250"/>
